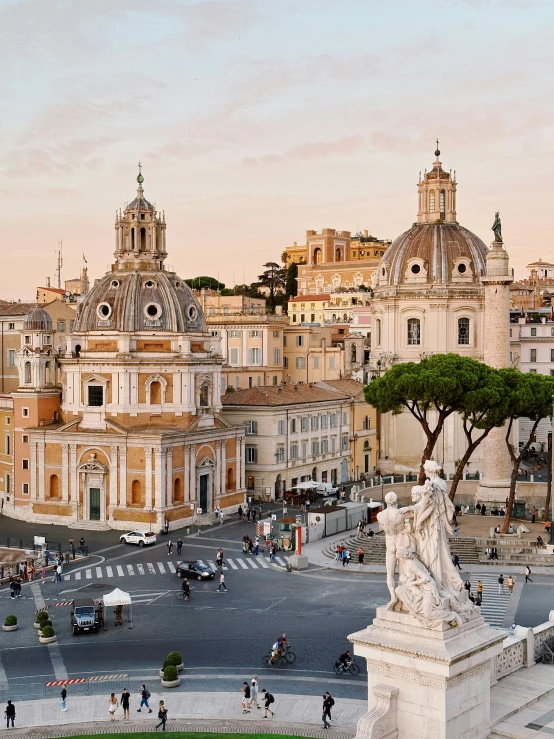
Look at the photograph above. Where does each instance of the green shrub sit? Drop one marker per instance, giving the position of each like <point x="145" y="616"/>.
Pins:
<point x="45" y="623"/>
<point x="10" y="621"/>
<point x="173" y="658"/>
<point x="170" y="673"/>
<point x="42" y="616"/>
<point x="48" y="631"/>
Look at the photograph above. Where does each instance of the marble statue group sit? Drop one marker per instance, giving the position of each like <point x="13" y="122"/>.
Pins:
<point x="429" y="587"/>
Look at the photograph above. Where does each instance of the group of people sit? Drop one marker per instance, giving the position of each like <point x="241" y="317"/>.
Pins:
<point x="250" y="697"/>
<point x="249" y="513"/>
<point x="125" y="703"/>
<point x="179" y="547"/>
<point x="491" y="553"/>
<point x="342" y="554"/>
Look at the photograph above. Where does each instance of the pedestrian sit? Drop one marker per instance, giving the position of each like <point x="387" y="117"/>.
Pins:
<point x="501" y="585"/>
<point x="144" y="696"/>
<point x="250" y="546"/>
<point x="268" y="700"/>
<point x="113" y="703"/>
<point x="456" y="561"/>
<point x="337" y="553"/>
<point x="10" y="715"/>
<point x="257" y="546"/>
<point x="272" y="554"/>
<point x="72" y="547"/>
<point x="12" y="587"/>
<point x="118" y="615"/>
<point x="43" y="574"/>
<point x="222" y="583"/>
<point x="480" y="589"/>
<point x="510" y="584"/>
<point x="533" y="513"/>
<point x="125" y="698"/>
<point x="240" y="512"/>
<point x="59" y="571"/>
<point x="245" y="697"/>
<point x="328" y="703"/>
<point x="348" y="556"/>
<point x="344" y="557"/>
<point x="162" y="715"/>
<point x="360" y="556"/>
<point x="456" y="530"/>
<point x="483" y="510"/>
<point x="82" y="545"/>
<point x="254" y="692"/>
<point x="219" y="558"/>
<point x="221" y="518"/>
<point x="478" y="600"/>
<point x="169" y="547"/>
<point x="547" y="527"/>
<point x="67" y="558"/>
<point x="18" y="587"/>
<point x="100" y="612"/>
<point x="331" y="704"/>
<point x="179" y="546"/>
<point x="528" y="574"/>
<point x="248" y="513"/>
<point x="166" y="526"/>
<point x="63" y="702"/>
<point x="253" y="515"/>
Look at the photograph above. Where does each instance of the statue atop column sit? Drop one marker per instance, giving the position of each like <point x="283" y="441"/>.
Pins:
<point x="497" y="228"/>
<point x="416" y="536"/>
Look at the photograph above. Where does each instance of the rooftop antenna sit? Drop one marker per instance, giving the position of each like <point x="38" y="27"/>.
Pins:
<point x="59" y="265"/>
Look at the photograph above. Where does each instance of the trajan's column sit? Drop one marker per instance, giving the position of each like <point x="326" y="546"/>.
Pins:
<point x="495" y="483"/>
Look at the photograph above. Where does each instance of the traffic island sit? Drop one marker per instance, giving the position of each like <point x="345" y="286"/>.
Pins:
<point x="299" y="562"/>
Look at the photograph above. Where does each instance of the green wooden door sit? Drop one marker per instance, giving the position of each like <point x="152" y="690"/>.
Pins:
<point x="94" y="504"/>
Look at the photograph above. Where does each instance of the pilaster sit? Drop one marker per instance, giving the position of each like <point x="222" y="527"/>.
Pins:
<point x="113" y="480"/>
<point x="169" y="478"/>
<point x="223" y="463"/>
<point x="41" y="492"/>
<point x="122" y="498"/>
<point x="148" y="477"/>
<point x="65" y="473"/>
<point x="74" y="486"/>
<point x="33" y="463"/>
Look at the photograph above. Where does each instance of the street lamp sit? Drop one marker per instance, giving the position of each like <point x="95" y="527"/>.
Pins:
<point x="150" y="512"/>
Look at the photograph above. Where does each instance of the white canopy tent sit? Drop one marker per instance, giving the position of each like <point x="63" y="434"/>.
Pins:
<point x="119" y="598"/>
<point x="306" y="485"/>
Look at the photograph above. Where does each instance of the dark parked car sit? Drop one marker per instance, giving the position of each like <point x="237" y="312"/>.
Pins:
<point x="195" y="569"/>
<point x="84" y="616"/>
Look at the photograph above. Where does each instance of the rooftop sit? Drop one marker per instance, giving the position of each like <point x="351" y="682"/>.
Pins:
<point x="16" y="309"/>
<point x="349" y="387"/>
<point x="271" y="395"/>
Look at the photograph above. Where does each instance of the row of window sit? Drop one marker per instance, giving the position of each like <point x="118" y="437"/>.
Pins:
<point x="300" y="362"/>
<point x="303" y="424"/>
<point x="255" y="356"/>
<point x="413" y="328"/>
<point x="318" y="447"/>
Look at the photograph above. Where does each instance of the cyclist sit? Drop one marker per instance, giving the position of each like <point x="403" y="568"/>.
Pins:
<point x="186" y="589"/>
<point x="280" y="647"/>
<point x="345" y="659"/>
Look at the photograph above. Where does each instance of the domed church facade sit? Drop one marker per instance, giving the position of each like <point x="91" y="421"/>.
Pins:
<point x="428" y="299"/>
<point x="134" y="435"/>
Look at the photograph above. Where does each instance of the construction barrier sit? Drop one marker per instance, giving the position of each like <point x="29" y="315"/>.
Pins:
<point x="65" y="682"/>
<point x="102" y="678"/>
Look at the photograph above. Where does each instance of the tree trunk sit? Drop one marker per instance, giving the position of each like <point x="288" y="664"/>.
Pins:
<point x="547" y="505"/>
<point x="427" y="452"/>
<point x="515" y="467"/>
<point x="464" y="460"/>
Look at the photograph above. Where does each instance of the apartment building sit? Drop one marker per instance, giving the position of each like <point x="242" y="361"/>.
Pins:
<point x="294" y="433"/>
<point x="319" y="353"/>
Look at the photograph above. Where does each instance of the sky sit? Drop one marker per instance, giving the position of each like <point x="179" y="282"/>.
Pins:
<point x="256" y="120"/>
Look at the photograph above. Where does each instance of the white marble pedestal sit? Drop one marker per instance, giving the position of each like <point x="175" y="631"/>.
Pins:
<point x="426" y="683"/>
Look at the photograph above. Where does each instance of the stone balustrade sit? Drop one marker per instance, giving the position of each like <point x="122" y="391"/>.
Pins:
<point x="522" y="648"/>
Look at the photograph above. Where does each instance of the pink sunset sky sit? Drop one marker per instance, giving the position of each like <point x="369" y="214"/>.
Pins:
<point x="258" y="119"/>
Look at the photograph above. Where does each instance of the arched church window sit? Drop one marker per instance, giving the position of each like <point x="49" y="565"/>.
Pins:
<point x="155" y="393"/>
<point x="442" y="203"/>
<point x="204" y="396"/>
<point x="143" y="239"/>
<point x="432" y="201"/>
<point x="353" y="353"/>
<point x="463" y="331"/>
<point x="133" y="238"/>
<point x="28" y="379"/>
<point x="317" y="256"/>
<point x="366" y="446"/>
<point x="378" y="326"/>
<point x="337" y="255"/>
<point x="414" y="332"/>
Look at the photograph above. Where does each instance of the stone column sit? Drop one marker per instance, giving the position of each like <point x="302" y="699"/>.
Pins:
<point x="243" y="462"/>
<point x="159" y="478"/>
<point x="33" y="462"/>
<point x="74" y="486"/>
<point x="113" y="481"/>
<point x="494" y="485"/>
<point x="148" y="477"/>
<point x="217" y="471"/>
<point x="169" y="478"/>
<point x="65" y="473"/>
<point x="223" y="463"/>
<point x="186" y="480"/>
<point x="122" y="497"/>
<point x="41" y="492"/>
<point x="192" y="473"/>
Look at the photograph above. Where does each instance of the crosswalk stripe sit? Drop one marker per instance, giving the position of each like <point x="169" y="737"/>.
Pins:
<point x="161" y="568"/>
<point x="130" y="570"/>
<point x="212" y="564"/>
<point x="252" y="564"/>
<point x="88" y="574"/>
<point x="98" y="572"/>
<point x="495" y="604"/>
<point x="201" y="561"/>
<point x="119" y="570"/>
<point x="140" y="569"/>
<point x="243" y="564"/>
<point x="232" y="564"/>
<point x="109" y="571"/>
<point x="281" y="561"/>
<point x="169" y="564"/>
<point x="77" y="575"/>
<point x="151" y="568"/>
<point x="263" y="563"/>
<point x="66" y="577"/>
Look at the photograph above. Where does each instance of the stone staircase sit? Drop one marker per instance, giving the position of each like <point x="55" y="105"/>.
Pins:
<point x="514" y="552"/>
<point x="466" y="549"/>
<point x="374" y="548"/>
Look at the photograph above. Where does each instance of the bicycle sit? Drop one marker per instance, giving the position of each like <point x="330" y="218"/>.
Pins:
<point x="288" y="657"/>
<point x="180" y="595"/>
<point x="350" y="667"/>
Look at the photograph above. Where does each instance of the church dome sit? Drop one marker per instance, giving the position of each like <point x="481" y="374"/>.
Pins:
<point x="434" y="253"/>
<point x="140" y="301"/>
<point x="37" y="320"/>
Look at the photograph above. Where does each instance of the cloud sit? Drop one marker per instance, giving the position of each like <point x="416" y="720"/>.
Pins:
<point x="309" y="152"/>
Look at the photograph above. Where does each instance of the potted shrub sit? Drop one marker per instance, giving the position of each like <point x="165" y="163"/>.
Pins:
<point x="48" y="635"/>
<point x="10" y="624"/>
<point x="175" y="659"/>
<point x="40" y="618"/>
<point x="170" y="677"/>
<point x="43" y="624"/>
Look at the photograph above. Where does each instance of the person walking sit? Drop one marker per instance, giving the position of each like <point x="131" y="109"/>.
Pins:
<point x="222" y="583"/>
<point x="533" y="513"/>
<point x="331" y="704"/>
<point x="344" y="556"/>
<point x="118" y="615"/>
<point x="480" y="590"/>
<point x="58" y="577"/>
<point x="10" y="715"/>
<point x="328" y="703"/>
<point x="63" y="695"/>
<point x="179" y="546"/>
<point x="162" y="715"/>
<point x="169" y="547"/>
<point x="456" y="561"/>
<point x="254" y="692"/>
<point x="113" y="703"/>
<point x="100" y="611"/>
<point x="510" y="584"/>
<point x="268" y="700"/>
<point x="240" y="512"/>
<point x="43" y="574"/>
<point x="254" y="513"/>
<point x="360" y="556"/>
<point x="166" y="526"/>
<point x="501" y="585"/>
<point x="125" y="700"/>
<point x="272" y="551"/>
<point x="337" y="553"/>
<point x="144" y="696"/>
<point x="245" y="697"/>
<point x="528" y="574"/>
<point x="348" y="556"/>
<point x="221" y="518"/>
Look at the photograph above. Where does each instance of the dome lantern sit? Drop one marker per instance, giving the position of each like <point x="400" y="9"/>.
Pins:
<point x="437" y="194"/>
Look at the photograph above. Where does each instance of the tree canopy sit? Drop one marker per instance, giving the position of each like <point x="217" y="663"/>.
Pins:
<point x="273" y="278"/>
<point x="210" y="283"/>
<point x="291" y="285"/>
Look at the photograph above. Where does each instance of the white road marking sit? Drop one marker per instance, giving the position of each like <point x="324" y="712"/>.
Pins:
<point x="98" y="572"/>
<point x="161" y="568"/>
<point x="88" y="574"/>
<point x="140" y="569"/>
<point x="109" y="571"/>
<point x="243" y="564"/>
<point x="171" y="568"/>
<point x="120" y="570"/>
<point x="77" y="575"/>
<point x="232" y="564"/>
<point x="263" y="563"/>
<point x="151" y="568"/>
<point x="252" y="563"/>
<point x="130" y="570"/>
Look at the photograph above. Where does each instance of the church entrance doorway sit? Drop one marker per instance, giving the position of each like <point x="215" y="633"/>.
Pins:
<point x="203" y="493"/>
<point x="94" y="504"/>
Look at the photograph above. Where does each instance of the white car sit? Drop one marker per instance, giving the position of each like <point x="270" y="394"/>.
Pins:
<point x="142" y="538"/>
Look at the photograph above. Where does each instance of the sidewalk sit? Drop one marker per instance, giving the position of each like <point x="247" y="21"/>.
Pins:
<point x="217" y="712"/>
